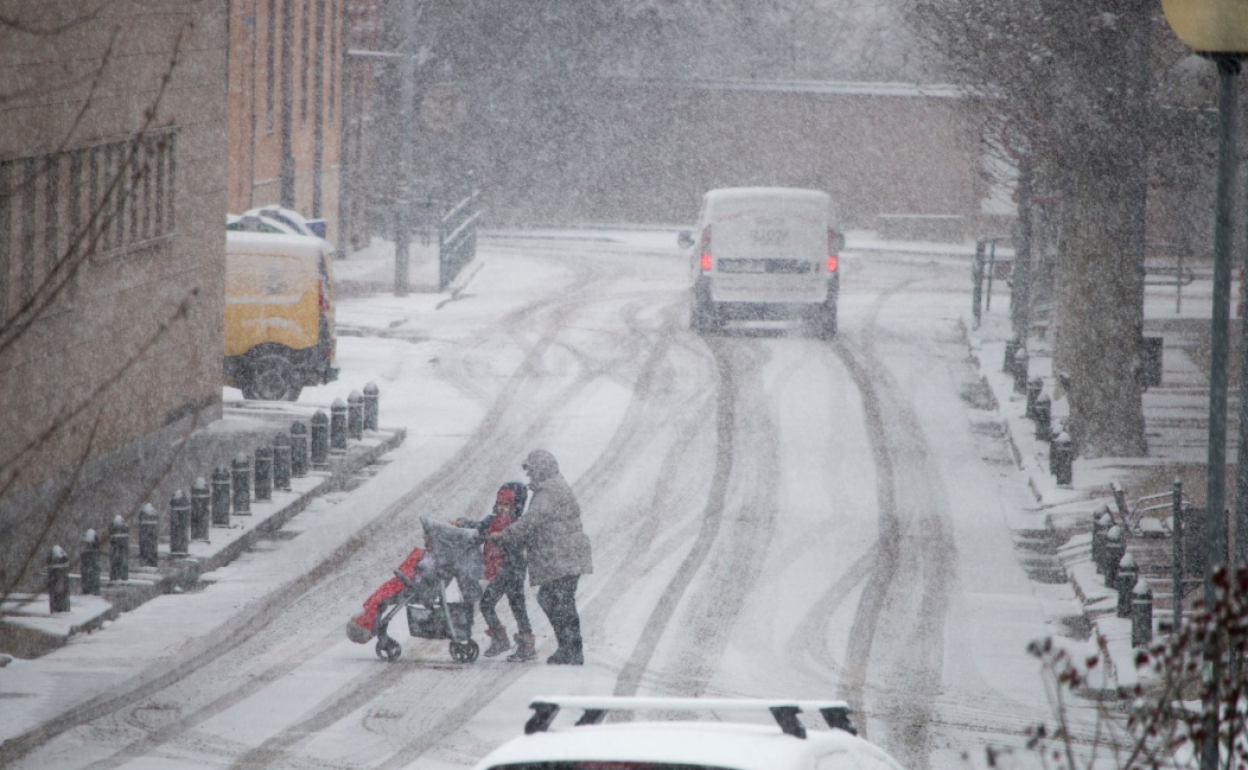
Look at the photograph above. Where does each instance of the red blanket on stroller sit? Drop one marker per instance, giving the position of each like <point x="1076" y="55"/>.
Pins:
<point x="360" y="629"/>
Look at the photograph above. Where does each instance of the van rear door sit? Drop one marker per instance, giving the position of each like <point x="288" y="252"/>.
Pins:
<point x="769" y="246"/>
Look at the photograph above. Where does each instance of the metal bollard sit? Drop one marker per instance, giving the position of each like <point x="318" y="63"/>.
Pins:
<point x="200" y="503"/>
<point x="1141" y="614"/>
<point x="320" y="440"/>
<point x="58" y="579"/>
<point x="1011" y="347"/>
<point x="371" y="406"/>
<point x="1034" y="386"/>
<point x="221" y="497"/>
<point x="240" y="473"/>
<point x="149" y="536"/>
<point x="1101" y="522"/>
<point x="179" y="525"/>
<point x="298" y="450"/>
<point x="1020" y="371"/>
<point x="119" y="549"/>
<point x="281" y="462"/>
<point x="90" y="558"/>
<point x="1115" y="549"/>
<point x="1061" y="461"/>
<point x="338" y="427"/>
<point x="1042" y="413"/>
<point x="1128" y="573"/>
<point x="355" y="415"/>
<point x="264" y="473"/>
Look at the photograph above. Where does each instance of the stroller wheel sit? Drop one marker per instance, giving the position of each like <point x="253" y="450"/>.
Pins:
<point x="388" y="650"/>
<point x="465" y="652"/>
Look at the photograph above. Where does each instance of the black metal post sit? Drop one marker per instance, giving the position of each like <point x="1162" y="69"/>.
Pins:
<point x="221" y="497"/>
<point x="338" y="427"/>
<point x="119" y="549"/>
<point x="1101" y="522"/>
<point x="149" y="536"/>
<point x="179" y="525"/>
<point x="90" y="558"/>
<point x="298" y="450"/>
<point x="1128" y="573"/>
<point x="240" y="472"/>
<point x="1141" y="614"/>
<point x="1011" y="347"/>
<point x="1034" y="387"/>
<point x="1021" y="363"/>
<point x="1177" y="573"/>
<point x="355" y="415"/>
<point x="1043" y="413"/>
<point x="264" y="473"/>
<point x="1219" y="353"/>
<point x="320" y="440"/>
<point x="58" y="579"/>
<point x="371" y="406"/>
<point x="977" y="282"/>
<point x="281" y="462"/>
<point x="1115" y="549"/>
<point x="200" y="504"/>
<point x="1061" y="459"/>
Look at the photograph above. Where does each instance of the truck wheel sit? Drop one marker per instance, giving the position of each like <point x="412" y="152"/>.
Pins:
<point x="270" y="377"/>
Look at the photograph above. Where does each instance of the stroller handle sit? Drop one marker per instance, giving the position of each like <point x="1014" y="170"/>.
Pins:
<point x="406" y="580"/>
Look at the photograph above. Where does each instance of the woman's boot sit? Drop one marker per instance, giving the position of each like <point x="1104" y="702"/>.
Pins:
<point x="525" y="649"/>
<point x="498" y="641"/>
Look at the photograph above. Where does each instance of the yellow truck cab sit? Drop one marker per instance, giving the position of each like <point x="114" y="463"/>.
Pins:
<point x="279" y="311"/>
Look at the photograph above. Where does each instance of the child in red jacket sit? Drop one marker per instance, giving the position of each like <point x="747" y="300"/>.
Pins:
<point x="505" y="568"/>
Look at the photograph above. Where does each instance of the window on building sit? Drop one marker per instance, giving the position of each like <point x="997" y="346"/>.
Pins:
<point x="96" y="201"/>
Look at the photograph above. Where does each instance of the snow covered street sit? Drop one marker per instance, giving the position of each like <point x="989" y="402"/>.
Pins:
<point x="771" y="515"/>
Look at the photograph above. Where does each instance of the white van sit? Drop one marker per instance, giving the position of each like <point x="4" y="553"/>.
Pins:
<point x="764" y="253"/>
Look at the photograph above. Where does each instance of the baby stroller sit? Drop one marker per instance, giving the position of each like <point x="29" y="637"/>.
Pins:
<point x="451" y="553"/>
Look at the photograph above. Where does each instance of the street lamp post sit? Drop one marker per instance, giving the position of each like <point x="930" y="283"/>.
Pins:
<point x="1218" y="29"/>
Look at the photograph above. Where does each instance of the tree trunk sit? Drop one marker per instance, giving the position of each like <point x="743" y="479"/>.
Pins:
<point x="1100" y="301"/>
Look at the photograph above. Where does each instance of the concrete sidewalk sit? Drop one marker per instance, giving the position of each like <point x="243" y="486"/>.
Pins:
<point x="28" y="628"/>
<point x="1176" y="423"/>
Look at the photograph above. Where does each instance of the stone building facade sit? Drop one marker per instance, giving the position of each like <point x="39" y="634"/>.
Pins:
<point x="112" y="195"/>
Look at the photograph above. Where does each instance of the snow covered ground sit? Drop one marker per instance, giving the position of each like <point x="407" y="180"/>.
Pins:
<point x="771" y="516"/>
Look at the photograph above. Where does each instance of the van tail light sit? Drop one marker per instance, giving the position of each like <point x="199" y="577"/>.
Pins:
<point x="705" y="248"/>
<point x="831" y="263"/>
<point x="834" y="245"/>
<point x="322" y="296"/>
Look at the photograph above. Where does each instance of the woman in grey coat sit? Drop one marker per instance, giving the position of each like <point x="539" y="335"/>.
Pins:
<point x="557" y="549"/>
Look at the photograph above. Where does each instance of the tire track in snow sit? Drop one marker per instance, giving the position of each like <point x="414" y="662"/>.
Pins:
<point x="914" y="556"/>
<point x="629" y="679"/>
<point x="736" y="558"/>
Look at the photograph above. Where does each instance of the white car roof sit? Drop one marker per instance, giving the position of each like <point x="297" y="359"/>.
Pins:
<point x="785" y="745"/>
<point x="735" y="746"/>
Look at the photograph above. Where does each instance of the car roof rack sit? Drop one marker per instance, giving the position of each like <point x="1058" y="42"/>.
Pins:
<point x="834" y="712"/>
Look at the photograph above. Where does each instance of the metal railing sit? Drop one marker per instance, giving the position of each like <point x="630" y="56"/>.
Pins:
<point x="457" y="238"/>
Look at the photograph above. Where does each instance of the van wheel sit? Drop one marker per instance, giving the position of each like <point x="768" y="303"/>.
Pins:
<point x="704" y="320"/>
<point x="270" y="377"/>
<point x="823" y="324"/>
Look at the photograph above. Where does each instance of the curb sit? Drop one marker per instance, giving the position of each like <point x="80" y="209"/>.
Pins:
<point x="38" y="633"/>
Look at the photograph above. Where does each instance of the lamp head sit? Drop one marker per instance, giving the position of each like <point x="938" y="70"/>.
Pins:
<point x="1210" y="26"/>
